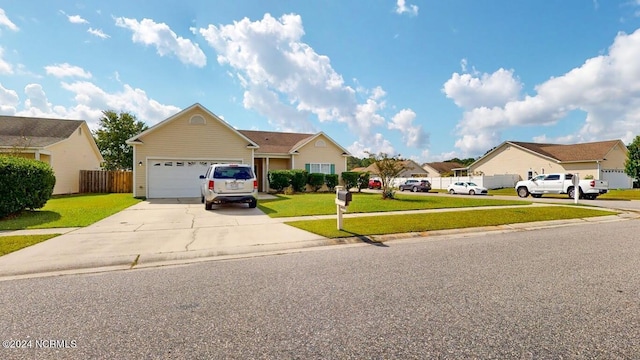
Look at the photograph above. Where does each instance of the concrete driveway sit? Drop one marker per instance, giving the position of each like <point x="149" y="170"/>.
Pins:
<point x="158" y="231"/>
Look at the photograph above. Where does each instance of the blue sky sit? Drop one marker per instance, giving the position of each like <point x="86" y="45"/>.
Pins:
<point x="429" y="80"/>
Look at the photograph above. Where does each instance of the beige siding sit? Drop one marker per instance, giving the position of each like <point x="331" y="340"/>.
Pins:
<point x="70" y="156"/>
<point x="431" y="171"/>
<point x="178" y="139"/>
<point x="314" y="152"/>
<point x="279" y="164"/>
<point x="512" y="160"/>
<point x="615" y="159"/>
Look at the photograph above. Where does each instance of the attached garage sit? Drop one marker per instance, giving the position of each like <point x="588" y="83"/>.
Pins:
<point x="617" y="179"/>
<point x="170" y="178"/>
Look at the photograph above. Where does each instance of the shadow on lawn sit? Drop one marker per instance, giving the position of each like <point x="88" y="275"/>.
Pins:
<point x="30" y="218"/>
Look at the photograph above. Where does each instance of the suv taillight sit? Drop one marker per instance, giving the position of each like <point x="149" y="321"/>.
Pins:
<point x="255" y="184"/>
<point x="210" y="184"/>
<point x="593" y="183"/>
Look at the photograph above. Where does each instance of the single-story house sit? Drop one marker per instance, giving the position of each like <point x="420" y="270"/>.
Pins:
<point x="602" y="160"/>
<point x="410" y="169"/>
<point x="170" y="156"/>
<point x="66" y="145"/>
<point x="438" y="169"/>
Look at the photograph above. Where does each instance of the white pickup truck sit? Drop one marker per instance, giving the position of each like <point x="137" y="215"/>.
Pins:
<point x="560" y="184"/>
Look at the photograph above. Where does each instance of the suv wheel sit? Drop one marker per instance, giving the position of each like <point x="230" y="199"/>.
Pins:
<point x="414" y="189"/>
<point x="208" y="206"/>
<point x="253" y="203"/>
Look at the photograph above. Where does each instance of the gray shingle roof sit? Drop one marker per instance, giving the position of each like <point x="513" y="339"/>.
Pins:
<point x="35" y="132"/>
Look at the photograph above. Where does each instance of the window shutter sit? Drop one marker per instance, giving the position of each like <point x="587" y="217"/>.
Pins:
<point x="333" y="168"/>
<point x="307" y="167"/>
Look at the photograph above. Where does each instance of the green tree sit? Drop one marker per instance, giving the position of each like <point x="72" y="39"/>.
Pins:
<point x="387" y="168"/>
<point x="111" y="139"/>
<point x="632" y="165"/>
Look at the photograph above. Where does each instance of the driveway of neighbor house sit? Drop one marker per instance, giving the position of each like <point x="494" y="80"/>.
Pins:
<point x="158" y="231"/>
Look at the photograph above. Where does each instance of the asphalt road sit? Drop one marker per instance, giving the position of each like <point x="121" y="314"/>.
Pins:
<point x="568" y="292"/>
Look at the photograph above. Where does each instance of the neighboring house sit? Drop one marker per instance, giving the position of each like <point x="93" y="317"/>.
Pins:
<point x="602" y="160"/>
<point x="66" y="145"/>
<point x="170" y="156"/>
<point x="439" y="169"/>
<point x="410" y="169"/>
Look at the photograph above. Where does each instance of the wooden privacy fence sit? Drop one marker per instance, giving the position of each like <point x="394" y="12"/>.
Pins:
<point x="99" y="181"/>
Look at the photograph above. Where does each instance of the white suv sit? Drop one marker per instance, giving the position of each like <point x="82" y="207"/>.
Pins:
<point x="229" y="183"/>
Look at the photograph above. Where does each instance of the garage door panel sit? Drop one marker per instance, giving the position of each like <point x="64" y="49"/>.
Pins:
<point x="175" y="178"/>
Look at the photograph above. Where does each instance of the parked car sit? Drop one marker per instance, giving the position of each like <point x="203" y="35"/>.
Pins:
<point x="561" y="184"/>
<point x="229" y="183"/>
<point x="466" y="187"/>
<point x="416" y="185"/>
<point x="375" y="184"/>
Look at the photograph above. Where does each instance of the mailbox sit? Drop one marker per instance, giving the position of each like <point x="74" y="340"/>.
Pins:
<point x="344" y="196"/>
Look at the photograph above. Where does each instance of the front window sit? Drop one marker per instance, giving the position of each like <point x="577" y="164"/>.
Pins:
<point x="320" y="168"/>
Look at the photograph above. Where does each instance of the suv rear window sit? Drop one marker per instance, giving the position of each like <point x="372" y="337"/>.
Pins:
<point x="232" y="172"/>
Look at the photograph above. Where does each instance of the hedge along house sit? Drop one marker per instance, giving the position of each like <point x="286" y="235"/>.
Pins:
<point x="66" y="145"/>
<point x="170" y="156"/>
<point x="602" y="160"/>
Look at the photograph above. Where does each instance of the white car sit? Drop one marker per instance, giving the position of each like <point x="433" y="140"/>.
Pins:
<point x="466" y="187"/>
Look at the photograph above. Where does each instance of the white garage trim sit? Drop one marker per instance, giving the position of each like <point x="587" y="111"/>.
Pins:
<point x="172" y="177"/>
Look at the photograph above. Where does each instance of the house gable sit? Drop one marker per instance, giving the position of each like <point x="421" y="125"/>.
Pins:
<point x="319" y="149"/>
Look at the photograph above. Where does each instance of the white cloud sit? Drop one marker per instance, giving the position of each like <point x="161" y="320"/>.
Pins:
<point x="287" y="81"/>
<point x="5" y="67"/>
<point x="496" y="89"/>
<point x="606" y="88"/>
<point x="76" y="19"/>
<point x="375" y="145"/>
<point x="413" y="135"/>
<point x="9" y="100"/>
<point x="90" y="101"/>
<point x="148" y="32"/>
<point x="402" y="7"/>
<point x="99" y="33"/>
<point x="4" y="21"/>
<point x="67" y="70"/>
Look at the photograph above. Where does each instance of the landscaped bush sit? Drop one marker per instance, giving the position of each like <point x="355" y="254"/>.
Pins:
<point x="350" y="179"/>
<point x="279" y="179"/>
<point x="298" y="180"/>
<point x="24" y="184"/>
<point x="331" y="180"/>
<point x="316" y="180"/>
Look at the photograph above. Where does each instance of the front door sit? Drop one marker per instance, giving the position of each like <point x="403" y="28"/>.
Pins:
<point x="257" y="168"/>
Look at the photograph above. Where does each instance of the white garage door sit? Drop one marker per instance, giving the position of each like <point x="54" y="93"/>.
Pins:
<point x="617" y="179"/>
<point x="176" y="178"/>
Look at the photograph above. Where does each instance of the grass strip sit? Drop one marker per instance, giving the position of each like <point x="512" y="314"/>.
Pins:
<point x="323" y="204"/>
<point x="12" y="243"/>
<point x="70" y="211"/>
<point x="392" y="224"/>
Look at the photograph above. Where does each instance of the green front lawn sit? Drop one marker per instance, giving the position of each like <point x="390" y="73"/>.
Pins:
<point x="12" y="243"/>
<point x="70" y="211"/>
<point x="323" y="204"/>
<point x="391" y="224"/>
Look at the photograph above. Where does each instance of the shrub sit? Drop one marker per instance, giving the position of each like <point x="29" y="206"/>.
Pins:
<point x="350" y="179"/>
<point x="316" y="180"/>
<point x="298" y="180"/>
<point x="331" y="180"/>
<point x="279" y="179"/>
<point x="24" y="184"/>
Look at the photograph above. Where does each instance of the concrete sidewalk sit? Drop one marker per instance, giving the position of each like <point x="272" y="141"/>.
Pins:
<point x="177" y="231"/>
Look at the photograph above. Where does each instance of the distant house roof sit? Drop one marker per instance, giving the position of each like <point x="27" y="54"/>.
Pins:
<point x="445" y="166"/>
<point x="271" y="142"/>
<point x="35" y="132"/>
<point x="593" y="151"/>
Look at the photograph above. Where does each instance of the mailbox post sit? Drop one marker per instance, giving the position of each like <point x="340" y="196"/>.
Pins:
<point x="343" y="198"/>
<point x="576" y="187"/>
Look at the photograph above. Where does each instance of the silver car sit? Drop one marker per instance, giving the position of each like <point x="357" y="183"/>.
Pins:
<point x="229" y="183"/>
